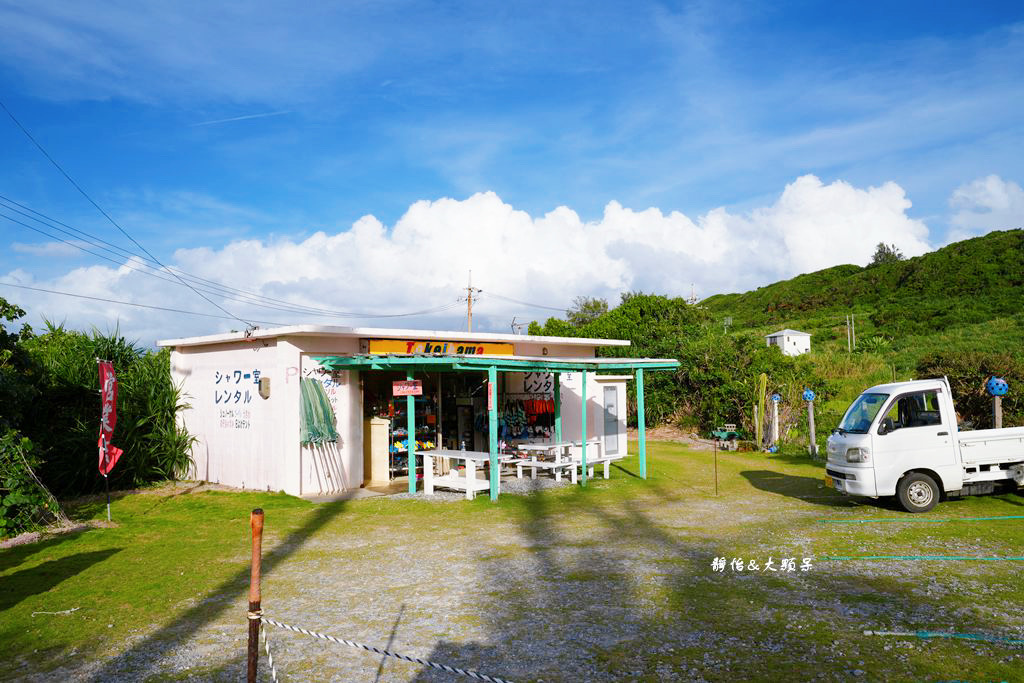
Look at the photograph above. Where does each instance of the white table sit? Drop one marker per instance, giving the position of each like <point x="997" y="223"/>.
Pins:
<point x="561" y="461"/>
<point x="468" y="483"/>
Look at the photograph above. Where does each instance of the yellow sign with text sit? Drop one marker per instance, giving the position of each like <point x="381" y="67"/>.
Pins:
<point x="439" y="347"/>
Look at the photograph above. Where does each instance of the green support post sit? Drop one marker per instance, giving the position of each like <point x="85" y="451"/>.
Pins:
<point x="492" y="423"/>
<point x="583" y="427"/>
<point x="641" y="422"/>
<point x="558" y="407"/>
<point x="410" y="420"/>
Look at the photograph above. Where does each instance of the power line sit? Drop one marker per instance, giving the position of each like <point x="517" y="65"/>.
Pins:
<point x="525" y="303"/>
<point x="107" y="216"/>
<point x="203" y="284"/>
<point x="130" y="303"/>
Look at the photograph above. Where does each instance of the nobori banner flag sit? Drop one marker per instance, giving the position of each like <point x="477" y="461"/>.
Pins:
<point x="108" y="417"/>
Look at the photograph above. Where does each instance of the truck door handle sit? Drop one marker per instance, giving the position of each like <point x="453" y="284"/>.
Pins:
<point x="942" y="434"/>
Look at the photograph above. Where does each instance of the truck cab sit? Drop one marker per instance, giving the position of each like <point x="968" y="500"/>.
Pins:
<point x="902" y="439"/>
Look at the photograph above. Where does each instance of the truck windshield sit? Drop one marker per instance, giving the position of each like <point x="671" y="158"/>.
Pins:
<point x="860" y="415"/>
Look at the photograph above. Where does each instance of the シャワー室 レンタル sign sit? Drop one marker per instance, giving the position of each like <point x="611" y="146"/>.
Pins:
<point x="439" y="348"/>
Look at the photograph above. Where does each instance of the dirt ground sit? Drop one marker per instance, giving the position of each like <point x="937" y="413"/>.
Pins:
<point x="675" y="435"/>
<point x="596" y="588"/>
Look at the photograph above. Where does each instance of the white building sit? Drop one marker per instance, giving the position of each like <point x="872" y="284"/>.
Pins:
<point x="251" y="397"/>
<point x="792" y="342"/>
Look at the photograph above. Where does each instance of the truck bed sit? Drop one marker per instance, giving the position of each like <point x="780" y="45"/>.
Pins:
<point x="992" y="446"/>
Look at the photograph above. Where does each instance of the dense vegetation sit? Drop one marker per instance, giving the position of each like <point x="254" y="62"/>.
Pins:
<point x="956" y="311"/>
<point x="49" y="418"/>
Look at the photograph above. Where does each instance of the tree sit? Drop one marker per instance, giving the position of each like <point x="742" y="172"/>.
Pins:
<point x="585" y="309"/>
<point x="886" y="253"/>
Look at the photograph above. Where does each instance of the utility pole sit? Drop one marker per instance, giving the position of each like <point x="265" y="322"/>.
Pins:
<point x="853" y="330"/>
<point x="469" y="301"/>
<point x="849" y="347"/>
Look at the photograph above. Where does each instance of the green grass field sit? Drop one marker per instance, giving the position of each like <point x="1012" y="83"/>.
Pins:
<point x="610" y="582"/>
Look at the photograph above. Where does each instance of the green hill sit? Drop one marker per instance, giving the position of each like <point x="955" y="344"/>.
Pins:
<point x="958" y="311"/>
<point x="965" y="283"/>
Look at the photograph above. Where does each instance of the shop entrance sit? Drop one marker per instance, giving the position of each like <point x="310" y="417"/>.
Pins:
<point x="451" y="413"/>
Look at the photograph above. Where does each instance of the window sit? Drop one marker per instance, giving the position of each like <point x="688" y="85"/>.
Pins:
<point x="920" y="409"/>
<point x="859" y="416"/>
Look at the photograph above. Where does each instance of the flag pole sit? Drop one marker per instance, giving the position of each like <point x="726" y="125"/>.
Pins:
<point x="106" y="483"/>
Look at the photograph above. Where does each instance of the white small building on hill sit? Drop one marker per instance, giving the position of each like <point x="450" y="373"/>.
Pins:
<point x="792" y="342"/>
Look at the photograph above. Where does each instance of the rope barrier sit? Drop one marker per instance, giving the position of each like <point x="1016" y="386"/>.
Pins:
<point x="369" y="648"/>
<point x="956" y="636"/>
<point x="270" y="657"/>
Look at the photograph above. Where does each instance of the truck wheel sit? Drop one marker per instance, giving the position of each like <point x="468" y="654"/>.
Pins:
<point x="917" y="492"/>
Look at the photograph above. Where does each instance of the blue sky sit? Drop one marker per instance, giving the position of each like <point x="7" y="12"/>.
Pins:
<point x="558" y="149"/>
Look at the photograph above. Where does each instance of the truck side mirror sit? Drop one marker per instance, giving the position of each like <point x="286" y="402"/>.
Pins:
<point x="885" y="426"/>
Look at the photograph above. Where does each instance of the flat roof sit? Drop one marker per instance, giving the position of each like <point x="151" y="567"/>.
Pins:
<point x="483" y="362"/>
<point x="383" y="333"/>
<point x="791" y="333"/>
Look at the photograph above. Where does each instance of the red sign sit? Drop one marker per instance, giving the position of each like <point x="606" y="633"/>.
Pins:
<point x="490" y="396"/>
<point x="407" y="387"/>
<point x="109" y="454"/>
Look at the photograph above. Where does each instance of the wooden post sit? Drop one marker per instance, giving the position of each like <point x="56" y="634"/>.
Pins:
<point x="810" y="423"/>
<point x="997" y="411"/>
<point x="256" y="522"/>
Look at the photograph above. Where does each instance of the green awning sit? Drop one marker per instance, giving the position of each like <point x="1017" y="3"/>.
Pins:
<point x="429" y="363"/>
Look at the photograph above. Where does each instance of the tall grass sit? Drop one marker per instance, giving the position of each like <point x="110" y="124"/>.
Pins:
<point x="64" y="422"/>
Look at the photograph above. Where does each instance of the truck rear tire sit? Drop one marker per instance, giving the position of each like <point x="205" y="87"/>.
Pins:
<point x="917" y="492"/>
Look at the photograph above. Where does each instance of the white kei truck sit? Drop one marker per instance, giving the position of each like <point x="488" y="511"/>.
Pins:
<point x="902" y="439"/>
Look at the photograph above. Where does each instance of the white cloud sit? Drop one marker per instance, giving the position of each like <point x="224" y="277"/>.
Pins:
<point x="986" y="204"/>
<point x="423" y="260"/>
<point x="50" y="249"/>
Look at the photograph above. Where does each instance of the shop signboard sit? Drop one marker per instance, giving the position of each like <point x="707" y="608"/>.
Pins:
<point x="438" y="347"/>
<point x="407" y="387"/>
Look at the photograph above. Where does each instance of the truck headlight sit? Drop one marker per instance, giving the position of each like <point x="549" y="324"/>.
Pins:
<point x="858" y="455"/>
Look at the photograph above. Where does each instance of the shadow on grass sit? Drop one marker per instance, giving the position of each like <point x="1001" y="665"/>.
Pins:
<point x="793" y="486"/>
<point x="145" y="657"/>
<point x="610" y="590"/>
<point x="38" y="579"/>
<point x="15" y="555"/>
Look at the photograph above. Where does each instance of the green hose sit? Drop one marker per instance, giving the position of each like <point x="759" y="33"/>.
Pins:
<point x="955" y="636"/>
<point x="916" y="519"/>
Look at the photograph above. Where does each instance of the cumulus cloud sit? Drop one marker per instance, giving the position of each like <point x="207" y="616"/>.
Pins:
<point x="423" y="260"/>
<point x="986" y="204"/>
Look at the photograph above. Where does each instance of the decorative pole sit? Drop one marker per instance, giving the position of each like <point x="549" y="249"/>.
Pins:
<point x="775" y="419"/>
<point x="997" y="388"/>
<point x="809" y="397"/>
<point x="256" y="522"/>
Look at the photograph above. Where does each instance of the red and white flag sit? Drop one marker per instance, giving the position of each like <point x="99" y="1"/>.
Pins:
<point x="109" y="454"/>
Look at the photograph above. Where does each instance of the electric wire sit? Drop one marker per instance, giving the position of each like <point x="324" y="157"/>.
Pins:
<point x="209" y="286"/>
<point x="130" y="303"/>
<point x="107" y="216"/>
<point x="525" y="303"/>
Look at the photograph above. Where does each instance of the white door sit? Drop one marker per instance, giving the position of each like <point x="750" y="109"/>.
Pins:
<point x="611" y="421"/>
<point x="916" y="438"/>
